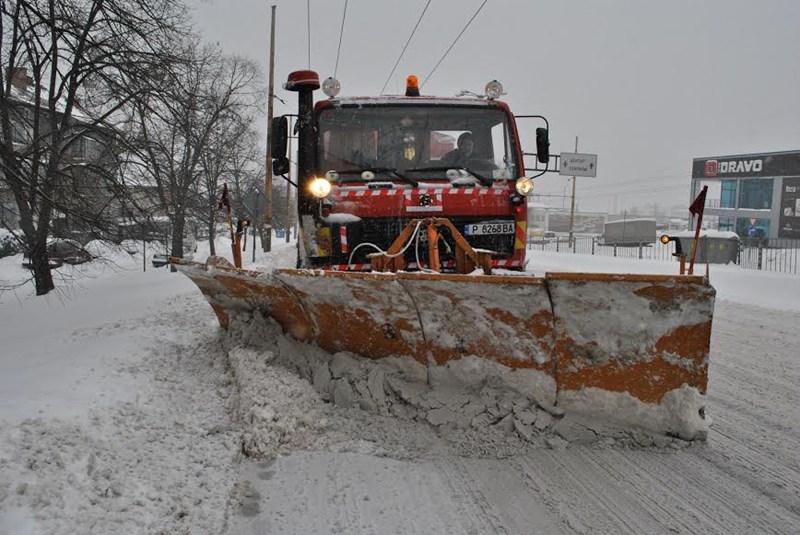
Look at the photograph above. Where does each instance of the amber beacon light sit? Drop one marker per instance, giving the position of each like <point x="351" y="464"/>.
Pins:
<point x="412" y="86"/>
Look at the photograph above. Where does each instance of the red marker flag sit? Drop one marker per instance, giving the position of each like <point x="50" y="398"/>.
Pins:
<point x="699" y="204"/>
<point x="224" y="202"/>
<point x="696" y="208"/>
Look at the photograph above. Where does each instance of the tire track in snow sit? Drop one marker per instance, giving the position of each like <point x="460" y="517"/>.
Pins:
<point x="493" y="493"/>
<point x="755" y="400"/>
<point x="585" y="491"/>
<point x="354" y="493"/>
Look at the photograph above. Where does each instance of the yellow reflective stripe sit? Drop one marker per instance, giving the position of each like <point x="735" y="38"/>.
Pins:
<point x="519" y="243"/>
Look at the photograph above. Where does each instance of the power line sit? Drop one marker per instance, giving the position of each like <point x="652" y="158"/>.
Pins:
<point x="623" y="193"/>
<point x="664" y="179"/>
<point x="454" y="43"/>
<point x="396" y="63"/>
<point x="341" y="34"/>
<point x="634" y="192"/>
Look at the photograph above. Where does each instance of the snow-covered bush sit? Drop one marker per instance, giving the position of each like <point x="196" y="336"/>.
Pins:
<point x="8" y="245"/>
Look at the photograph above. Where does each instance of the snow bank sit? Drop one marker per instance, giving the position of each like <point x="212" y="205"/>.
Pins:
<point x="157" y="455"/>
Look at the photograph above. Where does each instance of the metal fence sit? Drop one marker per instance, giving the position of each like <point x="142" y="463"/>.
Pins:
<point x="771" y="255"/>
<point x="778" y="255"/>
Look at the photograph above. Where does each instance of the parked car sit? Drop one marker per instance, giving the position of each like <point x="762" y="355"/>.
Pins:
<point x="62" y="251"/>
<point x="69" y="251"/>
<point x="160" y="260"/>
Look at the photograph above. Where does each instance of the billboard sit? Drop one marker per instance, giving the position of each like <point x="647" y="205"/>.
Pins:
<point x="752" y="165"/>
<point x="789" y="220"/>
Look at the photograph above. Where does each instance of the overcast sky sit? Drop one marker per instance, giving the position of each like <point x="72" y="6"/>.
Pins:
<point x="646" y="85"/>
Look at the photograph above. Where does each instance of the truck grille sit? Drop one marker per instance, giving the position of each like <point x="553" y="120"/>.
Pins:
<point x="382" y="232"/>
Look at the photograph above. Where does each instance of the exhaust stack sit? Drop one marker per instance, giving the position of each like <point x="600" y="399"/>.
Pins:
<point x="304" y="83"/>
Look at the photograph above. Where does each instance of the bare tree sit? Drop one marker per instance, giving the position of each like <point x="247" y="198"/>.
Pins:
<point x="233" y="156"/>
<point x="190" y="112"/>
<point x="71" y="65"/>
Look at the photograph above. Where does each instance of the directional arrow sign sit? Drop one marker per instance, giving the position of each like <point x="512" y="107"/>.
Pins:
<point x="574" y="164"/>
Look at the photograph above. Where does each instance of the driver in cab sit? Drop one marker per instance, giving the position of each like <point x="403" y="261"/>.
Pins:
<point x="460" y="156"/>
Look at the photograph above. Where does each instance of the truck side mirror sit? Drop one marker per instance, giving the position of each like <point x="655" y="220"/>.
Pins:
<point x="280" y="137"/>
<point x="280" y="165"/>
<point x="542" y="145"/>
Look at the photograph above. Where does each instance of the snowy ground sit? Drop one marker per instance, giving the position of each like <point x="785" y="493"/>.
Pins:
<point x="125" y="410"/>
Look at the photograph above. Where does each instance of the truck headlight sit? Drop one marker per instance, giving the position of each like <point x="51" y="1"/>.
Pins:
<point x="525" y="186"/>
<point x="319" y="188"/>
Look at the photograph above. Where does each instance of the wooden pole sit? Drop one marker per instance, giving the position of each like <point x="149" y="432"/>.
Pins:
<point x="255" y="225"/>
<point x="267" y="245"/>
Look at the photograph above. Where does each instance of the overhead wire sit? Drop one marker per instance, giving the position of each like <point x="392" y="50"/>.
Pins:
<point x="341" y="34"/>
<point x="662" y="179"/>
<point x="628" y="193"/>
<point x="453" y="43"/>
<point x="637" y="192"/>
<point x="396" y="63"/>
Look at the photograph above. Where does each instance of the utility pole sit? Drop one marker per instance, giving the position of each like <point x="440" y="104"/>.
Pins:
<point x="255" y="224"/>
<point x="289" y="190"/>
<point x="572" y="209"/>
<point x="267" y="245"/>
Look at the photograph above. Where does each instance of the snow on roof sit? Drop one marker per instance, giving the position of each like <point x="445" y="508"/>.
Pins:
<point x="28" y="96"/>
<point x="402" y="99"/>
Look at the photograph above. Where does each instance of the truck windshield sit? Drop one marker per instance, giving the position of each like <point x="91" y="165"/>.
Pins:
<point x="418" y="141"/>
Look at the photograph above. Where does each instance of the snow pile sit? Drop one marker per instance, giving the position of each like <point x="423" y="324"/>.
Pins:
<point x="274" y="404"/>
<point x="297" y="396"/>
<point x="294" y="394"/>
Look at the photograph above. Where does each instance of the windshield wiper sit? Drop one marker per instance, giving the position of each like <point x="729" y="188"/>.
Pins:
<point x="376" y="170"/>
<point x="486" y="181"/>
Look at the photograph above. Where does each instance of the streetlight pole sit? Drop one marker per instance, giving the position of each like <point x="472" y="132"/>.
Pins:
<point x="572" y="208"/>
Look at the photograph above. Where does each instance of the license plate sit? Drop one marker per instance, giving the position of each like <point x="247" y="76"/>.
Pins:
<point x="489" y="227"/>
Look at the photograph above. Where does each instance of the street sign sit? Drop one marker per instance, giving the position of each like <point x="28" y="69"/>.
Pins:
<point x="574" y="164"/>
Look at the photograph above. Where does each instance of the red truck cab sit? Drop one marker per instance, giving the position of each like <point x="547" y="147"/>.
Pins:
<point x="376" y="163"/>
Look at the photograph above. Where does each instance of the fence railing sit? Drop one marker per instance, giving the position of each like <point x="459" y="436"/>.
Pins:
<point x="780" y="255"/>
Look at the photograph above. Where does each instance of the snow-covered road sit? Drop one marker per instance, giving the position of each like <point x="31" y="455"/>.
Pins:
<point x="746" y="479"/>
<point x="134" y="424"/>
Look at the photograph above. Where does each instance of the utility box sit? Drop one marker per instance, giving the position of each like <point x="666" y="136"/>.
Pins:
<point x="714" y="247"/>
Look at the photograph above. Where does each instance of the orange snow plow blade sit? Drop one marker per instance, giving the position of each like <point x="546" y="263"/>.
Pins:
<point x="630" y="345"/>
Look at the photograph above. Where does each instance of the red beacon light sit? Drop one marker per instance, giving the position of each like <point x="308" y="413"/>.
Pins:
<point x="412" y="86"/>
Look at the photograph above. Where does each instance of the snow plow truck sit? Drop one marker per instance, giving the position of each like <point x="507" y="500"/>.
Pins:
<point x="412" y="244"/>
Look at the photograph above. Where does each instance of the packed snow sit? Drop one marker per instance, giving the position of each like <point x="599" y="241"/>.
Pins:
<point x="126" y="409"/>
